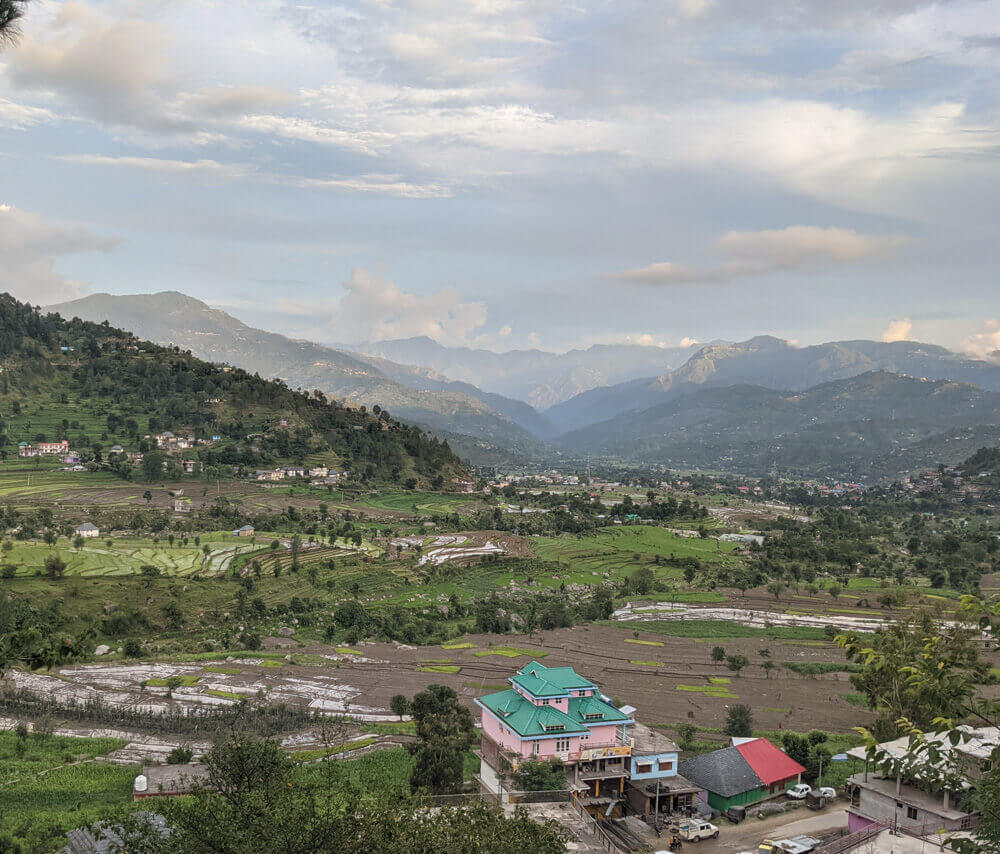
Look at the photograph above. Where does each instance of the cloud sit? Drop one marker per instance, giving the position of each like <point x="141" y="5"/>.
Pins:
<point x="755" y="253"/>
<point x="377" y="309"/>
<point x="19" y="116"/>
<point x="121" y="72"/>
<point x="985" y="343"/>
<point x="390" y="185"/>
<point x="689" y="342"/>
<point x="30" y="247"/>
<point x="195" y="168"/>
<point x="898" y="330"/>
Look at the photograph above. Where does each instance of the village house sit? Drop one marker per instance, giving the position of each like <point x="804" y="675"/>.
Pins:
<point x="190" y="466"/>
<point x="319" y="471"/>
<point x="742" y="774"/>
<point x="654" y="785"/>
<point x="923" y="797"/>
<point x="554" y="713"/>
<point x="295" y="471"/>
<point x="88" y="529"/>
<point x="43" y="449"/>
<point x="53" y="448"/>
<point x="245" y="531"/>
<point x="269" y="474"/>
<point x="116" y="449"/>
<point x="168" y="441"/>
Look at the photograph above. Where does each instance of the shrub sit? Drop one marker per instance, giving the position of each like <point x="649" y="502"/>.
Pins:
<point x="180" y="755"/>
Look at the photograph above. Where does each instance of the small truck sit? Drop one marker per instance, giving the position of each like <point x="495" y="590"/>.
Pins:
<point x="694" y="830"/>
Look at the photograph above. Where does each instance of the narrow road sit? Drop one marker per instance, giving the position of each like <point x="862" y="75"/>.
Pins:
<point x="746" y="836"/>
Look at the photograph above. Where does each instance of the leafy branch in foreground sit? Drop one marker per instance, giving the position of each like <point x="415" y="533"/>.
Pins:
<point x="254" y="801"/>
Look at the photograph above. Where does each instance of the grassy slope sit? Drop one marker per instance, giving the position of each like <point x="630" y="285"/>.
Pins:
<point x="42" y="796"/>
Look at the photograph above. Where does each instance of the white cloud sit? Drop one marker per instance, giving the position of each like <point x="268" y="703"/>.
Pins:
<point x="898" y="330"/>
<point x="390" y="185"/>
<point x="19" y="116"/>
<point x="755" y="253"/>
<point x="689" y="342"/>
<point x="986" y="342"/>
<point x="377" y="309"/>
<point x="30" y="247"/>
<point x="195" y="168"/>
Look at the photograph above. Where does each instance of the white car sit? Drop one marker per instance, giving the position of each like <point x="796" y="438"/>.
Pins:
<point x="692" y="830"/>
<point x="825" y="792"/>
<point x="799" y="791"/>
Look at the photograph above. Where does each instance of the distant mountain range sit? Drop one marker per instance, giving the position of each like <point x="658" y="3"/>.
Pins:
<point x="867" y="425"/>
<point x="852" y="408"/>
<point x="538" y="377"/>
<point x="775" y="364"/>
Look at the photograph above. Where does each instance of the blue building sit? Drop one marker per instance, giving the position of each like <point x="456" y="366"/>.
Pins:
<point x="654" y="785"/>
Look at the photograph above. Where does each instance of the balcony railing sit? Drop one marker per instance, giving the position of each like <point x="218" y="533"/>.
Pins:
<point x="619" y="747"/>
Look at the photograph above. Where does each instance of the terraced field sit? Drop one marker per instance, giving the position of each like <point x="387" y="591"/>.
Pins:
<point x="127" y="557"/>
<point x="47" y="485"/>
<point x="614" y="551"/>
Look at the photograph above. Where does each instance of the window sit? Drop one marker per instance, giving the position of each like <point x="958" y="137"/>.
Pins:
<point x="666" y="765"/>
<point x="911" y="813"/>
<point x="562" y="745"/>
<point x="534" y="747"/>
<point x="644" y="769"/>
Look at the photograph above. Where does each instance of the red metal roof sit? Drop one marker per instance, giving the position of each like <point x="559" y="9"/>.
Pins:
<point x="768" y="762"/>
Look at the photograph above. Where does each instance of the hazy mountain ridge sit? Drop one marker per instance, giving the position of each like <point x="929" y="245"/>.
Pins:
<point x="173" y="318"/>
<point x="846" y="427"/>
<point x="773" y="363"/>
<point x="538" y="377"/>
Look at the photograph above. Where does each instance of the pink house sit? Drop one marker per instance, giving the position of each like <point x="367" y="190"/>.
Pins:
<point x="553" y="712"/>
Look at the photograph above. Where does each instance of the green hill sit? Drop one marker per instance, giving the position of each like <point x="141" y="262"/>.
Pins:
<point x="97" y="386"/>
<point x="865" y="426"/>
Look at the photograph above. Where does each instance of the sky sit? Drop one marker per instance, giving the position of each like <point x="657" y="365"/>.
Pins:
<point x="514" y="173"/>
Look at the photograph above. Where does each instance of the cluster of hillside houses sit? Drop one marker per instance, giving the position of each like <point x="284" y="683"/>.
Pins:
<point x="321" y="475"/>
<point x="170" y="442"/>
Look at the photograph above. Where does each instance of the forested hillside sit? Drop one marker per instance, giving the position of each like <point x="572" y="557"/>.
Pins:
<point x="96" y="385"/>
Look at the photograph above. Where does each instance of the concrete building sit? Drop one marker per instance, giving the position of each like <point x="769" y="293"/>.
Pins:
<point x="908" y="792"/>
<point x="88" y="529"/>
<point x="654" y="786"/>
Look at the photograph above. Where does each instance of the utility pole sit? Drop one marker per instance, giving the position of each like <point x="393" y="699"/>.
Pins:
<point x="657" y="819"/>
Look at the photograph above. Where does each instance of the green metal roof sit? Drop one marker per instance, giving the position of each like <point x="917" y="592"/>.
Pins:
<point x="593" y="710"/>
<point x="527" y="719"/>
<point x="541" y="681"/>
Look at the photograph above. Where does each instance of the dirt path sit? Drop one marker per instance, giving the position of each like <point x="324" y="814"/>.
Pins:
<point x="746" y="836"/>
